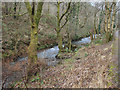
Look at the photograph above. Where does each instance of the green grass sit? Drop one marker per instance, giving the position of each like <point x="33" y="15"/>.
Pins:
<point x="86" y="45"/>
<point x="41" y="47"/>
<point x="86" y="54"/>
<point x="98" y="41"/>
<point x="113" y="75"/>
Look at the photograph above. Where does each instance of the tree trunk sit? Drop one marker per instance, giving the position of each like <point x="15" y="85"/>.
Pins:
<point x="19" y="8"/>
<point x="15" y="9"/>
<point x="69" y="42"/>
<point x="48" y="8"/>
<point x="109" y="14"/>
<point x="69" y="38"/>
<point x="32" y="49"/>
<point x="34" y="18"/>
<point x="100" y="22"/>
<point x="94" y="25"/>
<point x="97" y="28"/>
<point x="91" y="36"/>
<point x="108" y="33"/>
<point x="106" y="16"/>
<point x="59" y="38"/>
<point x="59" y="27"/>
<point x="6" y="8"/>
<point x="113" y="18"/>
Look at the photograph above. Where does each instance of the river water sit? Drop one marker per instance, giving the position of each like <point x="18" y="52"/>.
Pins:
<point x="49" y="54"/>
<point x="52" y="52"/>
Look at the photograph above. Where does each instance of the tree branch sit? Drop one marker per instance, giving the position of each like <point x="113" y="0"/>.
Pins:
<point x="81" y="26"/>
<point x="38" y="14"/>
<point x="64" y="23"/>
<point x="65" y="12"/>
<point x="29" y="8"/>
<point x="15" y="15"/>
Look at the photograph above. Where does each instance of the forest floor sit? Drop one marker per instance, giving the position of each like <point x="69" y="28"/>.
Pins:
<point x="93" y="66"/>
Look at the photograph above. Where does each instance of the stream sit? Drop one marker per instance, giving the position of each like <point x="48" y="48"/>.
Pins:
<point x="52" y="52"/>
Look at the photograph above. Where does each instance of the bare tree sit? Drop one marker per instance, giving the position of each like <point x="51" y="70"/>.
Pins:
<point x="59" y="26"/>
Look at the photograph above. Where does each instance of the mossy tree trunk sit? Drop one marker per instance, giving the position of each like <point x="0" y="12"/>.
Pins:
<point x="19" y="9"/>
<point x="108" y="10"/>
<point x="6" y="8"/>
<point x="94" y="25"/>
<point x="59" y="36"/>
<point x="69" y="45"/>
<point x="109" y="14"/>
<point x="100" y="21"/>
<point x="113" y="17"/>
<point x="48" y="8"/>
<point x="34" y="18"/>
<point x="59" y="40"/>
<point x="69" y="41"/>
<point x="109" y="23"/>
<point x="15" y="9"/>
<point x="91" y="36"/>
<point x="106" y="20"/>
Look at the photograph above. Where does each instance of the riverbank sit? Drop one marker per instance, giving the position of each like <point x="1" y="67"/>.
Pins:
<point x="92" y="66"/>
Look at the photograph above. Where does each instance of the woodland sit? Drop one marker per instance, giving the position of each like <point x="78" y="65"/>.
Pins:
<point x="60" y="44"/>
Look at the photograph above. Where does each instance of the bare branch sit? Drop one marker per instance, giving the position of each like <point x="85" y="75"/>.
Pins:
<point x="65" y="12"/>
<point x="38" y="14"/>
<point x="15" y="15"/>
<point x="29" y="8"/>
<point x="4" y="82"/>
<point x="64" y="23"/>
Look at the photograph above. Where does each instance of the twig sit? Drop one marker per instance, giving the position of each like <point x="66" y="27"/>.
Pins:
<point x="25" y="78"/>
<point x="39" y="75"/>
<point x="25" y="84"/>
<point x="15" y="15"/>
<point x="4" y="82"/>
<point x="65" y="12"/>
